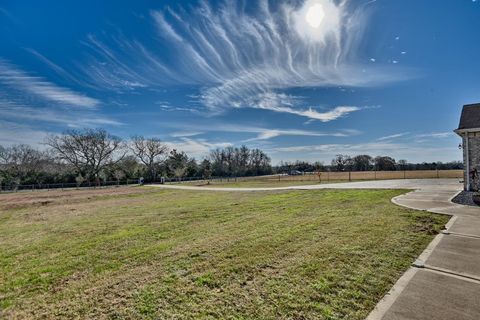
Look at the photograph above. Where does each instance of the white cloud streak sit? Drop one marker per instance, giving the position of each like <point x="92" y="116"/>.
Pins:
<point x="10" y="110"/>
<point x="436" y="135"/>
<point x="266" y="134"/>
<point x="262" y="133"/>
<point x="26" y="84"/>
<point x="285" y="104"/>
<point x="393" y="136"/>
<point x="185" y="134"/>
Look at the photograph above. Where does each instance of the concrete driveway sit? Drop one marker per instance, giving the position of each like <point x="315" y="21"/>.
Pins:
<point x="444" y="282"/>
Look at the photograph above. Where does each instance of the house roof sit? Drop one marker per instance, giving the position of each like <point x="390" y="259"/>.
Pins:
<point x="470" y="118"/>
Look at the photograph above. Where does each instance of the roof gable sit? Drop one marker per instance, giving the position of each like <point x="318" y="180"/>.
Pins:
<point x="470" y="118"/>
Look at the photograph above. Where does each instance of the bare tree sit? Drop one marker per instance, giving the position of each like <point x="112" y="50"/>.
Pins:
<point x="20" y="162"/>
<point x="3" y="156"/>
<point x="151" y="152"/>
<point x="89" y="151"/>
<point x="342" y="162"/>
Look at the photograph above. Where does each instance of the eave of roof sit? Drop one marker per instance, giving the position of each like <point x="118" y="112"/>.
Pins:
<point x="460" y="131"/>
<point x="470" y="118"/>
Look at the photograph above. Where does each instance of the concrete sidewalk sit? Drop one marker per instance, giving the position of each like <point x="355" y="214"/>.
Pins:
<point x="444" y="283"/>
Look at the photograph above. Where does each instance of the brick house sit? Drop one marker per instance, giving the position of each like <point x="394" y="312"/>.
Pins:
<point x="469" y="131"/>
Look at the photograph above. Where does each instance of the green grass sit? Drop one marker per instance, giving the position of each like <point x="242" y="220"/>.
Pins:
<point x="162" y="254"/>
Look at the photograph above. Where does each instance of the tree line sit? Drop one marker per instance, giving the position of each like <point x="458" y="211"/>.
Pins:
<point x="94" y="155"/>
<point x="366" y="162"/>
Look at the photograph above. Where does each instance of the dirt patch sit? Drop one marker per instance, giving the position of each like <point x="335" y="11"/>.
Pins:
<point x="45" y="198"/>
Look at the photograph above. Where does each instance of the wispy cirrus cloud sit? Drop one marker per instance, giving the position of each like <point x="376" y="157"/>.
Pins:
<point x="286" y="104"/>
<point x="436" y="135"/>
<point x="393" y="136"/>
<point x="185" y="134"/>
<point x="24" y="83"/>
<point x="75" y="118"/>
<point x="261" y="133"/>
<point x="60" y="71"/>
<point x="241" y="59"/>
<point x="266" y="134"/>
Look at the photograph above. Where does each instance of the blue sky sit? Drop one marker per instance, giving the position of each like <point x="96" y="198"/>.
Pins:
<point x="299" y="79"/>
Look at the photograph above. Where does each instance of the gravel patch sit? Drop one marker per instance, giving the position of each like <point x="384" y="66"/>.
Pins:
<point x="465" y="198"/>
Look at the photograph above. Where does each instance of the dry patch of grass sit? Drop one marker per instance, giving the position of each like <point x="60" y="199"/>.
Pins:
<point x="143" y="253"/>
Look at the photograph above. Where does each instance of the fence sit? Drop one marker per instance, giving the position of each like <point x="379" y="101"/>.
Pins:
<point x="60" y="186"/>
<point x="336" y="176"/>
<point x="105" y="184"/>
<point x="376" y="175"/>
<point x="307" y="176"/>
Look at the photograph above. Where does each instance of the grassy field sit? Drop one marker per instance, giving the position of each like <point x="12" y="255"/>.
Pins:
<point x="140" y="253"/>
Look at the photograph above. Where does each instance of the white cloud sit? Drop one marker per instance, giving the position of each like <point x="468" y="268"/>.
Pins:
<point x="27" y="84"/>
<point x="55" y="67"/>
<point x="238" y="57"/>
<point x="326" y="152"/>
<point x="13" y="133"/>
<point x="197" y="148"/>
<point x="77" y="118"/>
<point x="393" y="136"/>
<point x="182" y="134"/>
<point x="439" y="135"/>
<point x="266" y="134"/>
<point x="284" y="103"/>
<point x="261" y="133"/>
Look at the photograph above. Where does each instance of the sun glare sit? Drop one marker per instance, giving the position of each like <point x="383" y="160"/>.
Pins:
<point x="316" y="20"/>
<point x="315" y="15"/>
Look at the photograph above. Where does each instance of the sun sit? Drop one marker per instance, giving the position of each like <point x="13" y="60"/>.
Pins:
<point x="318" y="20"/>
<point x="315" y="15"/>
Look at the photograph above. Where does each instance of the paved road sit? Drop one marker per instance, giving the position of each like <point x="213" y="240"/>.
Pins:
<point x="428" y="184"/>
<point x="444" y="282"/>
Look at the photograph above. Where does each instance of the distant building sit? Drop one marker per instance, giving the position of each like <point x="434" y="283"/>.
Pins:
<point x="469" y="130"/>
